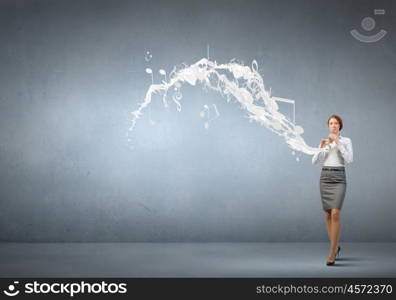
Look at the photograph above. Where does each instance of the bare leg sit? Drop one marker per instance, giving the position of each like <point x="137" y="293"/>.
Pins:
<point x="335" y="232"/>
<point x="327" y="216"/>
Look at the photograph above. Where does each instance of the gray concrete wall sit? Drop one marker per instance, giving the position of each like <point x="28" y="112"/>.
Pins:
<point x="72" y="71"/>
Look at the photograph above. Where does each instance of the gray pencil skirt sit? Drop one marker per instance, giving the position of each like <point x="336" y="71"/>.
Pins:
<point x="332" y="187"/>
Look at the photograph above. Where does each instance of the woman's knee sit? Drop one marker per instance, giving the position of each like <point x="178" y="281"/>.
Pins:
<point x="335" y="215"/>
<point x="327" y="215"/>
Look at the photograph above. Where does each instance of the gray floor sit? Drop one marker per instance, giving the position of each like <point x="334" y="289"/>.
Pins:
<point x="194" y="260"/>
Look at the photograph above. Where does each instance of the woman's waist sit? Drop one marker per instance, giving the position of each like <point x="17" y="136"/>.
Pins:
<point x="333" y="168"/>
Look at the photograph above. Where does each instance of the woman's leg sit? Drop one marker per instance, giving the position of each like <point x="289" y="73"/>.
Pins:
<point x="327" y="216"/>
<point x="335" y="232"/>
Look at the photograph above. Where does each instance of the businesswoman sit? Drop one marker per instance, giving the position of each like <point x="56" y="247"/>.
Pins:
<point x="336" y="152"/>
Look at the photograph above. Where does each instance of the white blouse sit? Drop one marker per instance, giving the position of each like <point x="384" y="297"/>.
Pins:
<point x="333" y="155"/>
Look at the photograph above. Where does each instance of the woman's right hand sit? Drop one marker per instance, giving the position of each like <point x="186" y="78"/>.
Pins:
<point x="322" y="143"/>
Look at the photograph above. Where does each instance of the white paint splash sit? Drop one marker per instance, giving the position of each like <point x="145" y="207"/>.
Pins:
<point x="232" y="80"/>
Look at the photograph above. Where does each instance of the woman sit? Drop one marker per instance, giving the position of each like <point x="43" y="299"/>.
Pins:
<point x="335" y="153"/>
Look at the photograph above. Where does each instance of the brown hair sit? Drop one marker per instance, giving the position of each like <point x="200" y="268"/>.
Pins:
<point x="337" y="118"/>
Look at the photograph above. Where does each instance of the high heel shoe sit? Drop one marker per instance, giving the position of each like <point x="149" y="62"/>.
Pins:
<point x="329" y="263"/>
<point x="338" y="252"/>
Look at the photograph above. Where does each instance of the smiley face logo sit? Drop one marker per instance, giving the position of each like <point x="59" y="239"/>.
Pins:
<point x="368" y="24"/>
<point x="12" y="290"/>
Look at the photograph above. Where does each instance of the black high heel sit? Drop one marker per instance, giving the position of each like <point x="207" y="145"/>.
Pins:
<point x="338" y="252"/>
<point x="329" y="263"/>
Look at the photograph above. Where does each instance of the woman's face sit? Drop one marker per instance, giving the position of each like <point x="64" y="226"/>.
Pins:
<point x="334" y="126"/>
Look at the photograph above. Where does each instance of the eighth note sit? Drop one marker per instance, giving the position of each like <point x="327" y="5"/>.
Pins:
<point x="148" y="56"/>
<point x="206" y="111"/>
<point x="162" y="72"/>
<point x="149" y="71"/>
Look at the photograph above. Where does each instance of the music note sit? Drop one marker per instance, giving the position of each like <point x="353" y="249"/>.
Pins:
<point x="176" y="97"/>
<point x="206" y="112"/>
<point x="149" y="71"/>
<point x="300" y="129"/>
<point x="294" y="153"/>
<point x="202" y="113"/>
<point x="163" y="72"/>
<point x="148" y="56"/>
